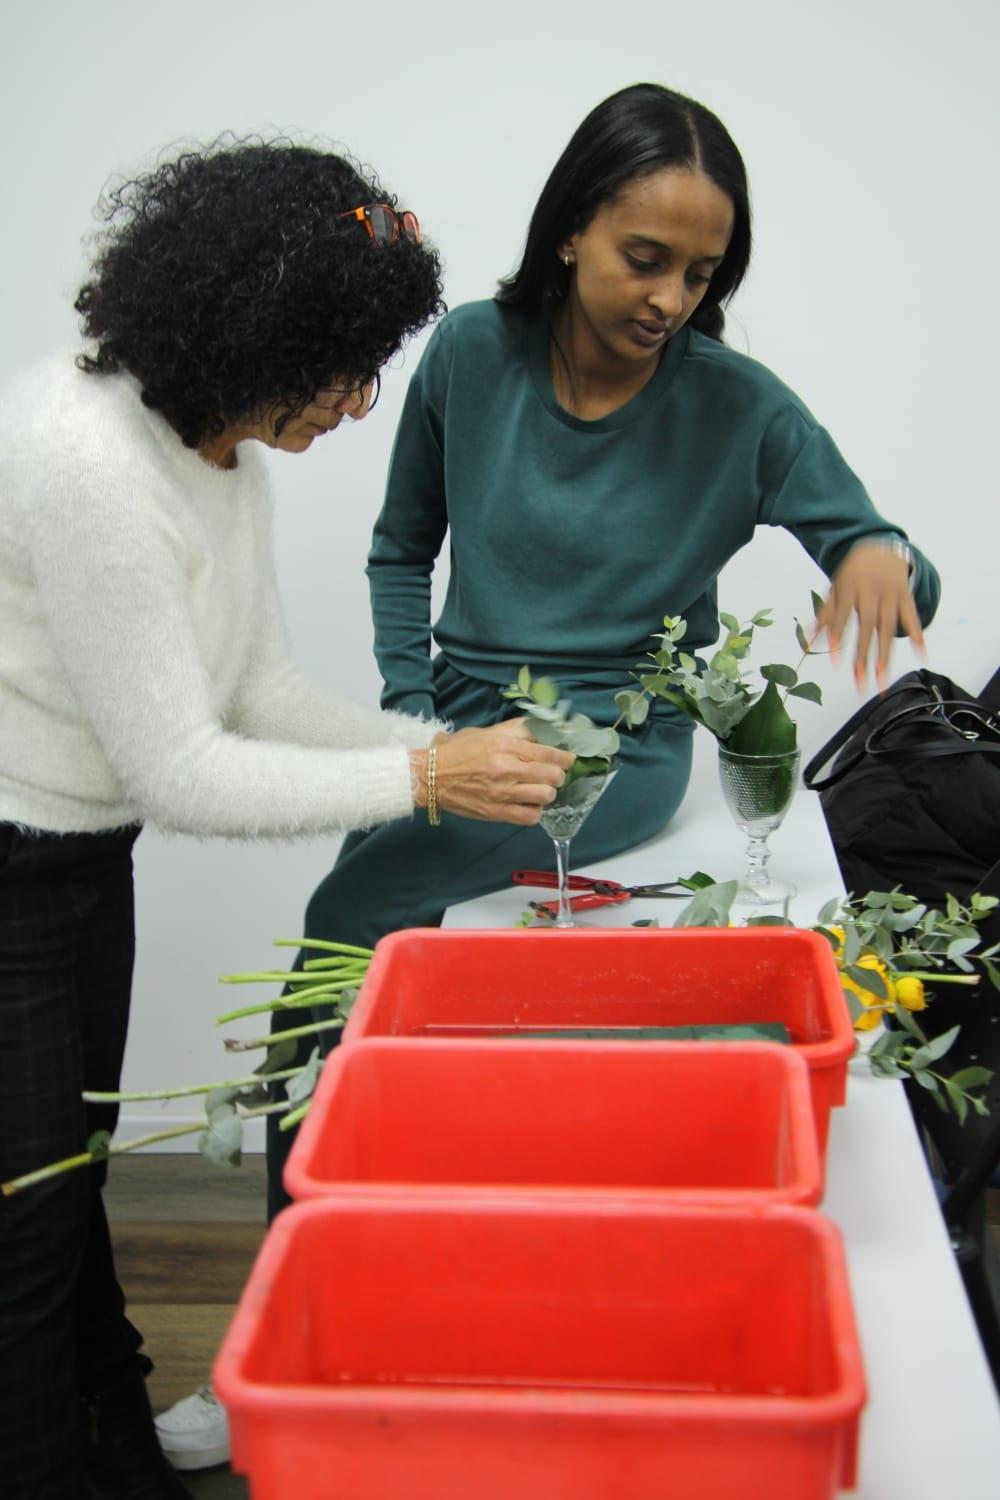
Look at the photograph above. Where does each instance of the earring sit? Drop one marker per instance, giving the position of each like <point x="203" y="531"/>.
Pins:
<point x="567" y="261"/>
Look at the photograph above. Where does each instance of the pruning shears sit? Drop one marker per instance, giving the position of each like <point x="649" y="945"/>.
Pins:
<point x="597" y="890"/>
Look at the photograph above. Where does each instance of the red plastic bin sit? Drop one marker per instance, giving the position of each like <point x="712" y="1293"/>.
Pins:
<point x="570" y="1350"/>
<point x="428" y="982"/>
<point x="720" y="1121"/>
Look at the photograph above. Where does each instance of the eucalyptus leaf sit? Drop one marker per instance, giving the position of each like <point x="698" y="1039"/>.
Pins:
<point x="808" y="690"/>
<point x="710" y="907"/>
<point x="300" y="1088"/>
<point x="802" y="638"/>
<point x="779" y="673"/>
<point x="935" y="1048"/>
<point x="730" y="622"/>
<point x="545" y="692"/>
<point x="218" y="1098"/>
<point x="524" y="680"/>
<point x="828" y="911"/>
<point x="852" y="944"/>
<point x="278" y="1057"/>
<point x="904" y="1019"/>
<point x="959" y="1102"/>
<point x="868" y="979"/>
<point x="99" y="1144"/>
<point x="925" y="1080"/>
<point x="971" y="1078"/>
<point x="817" y="601"/>
<point x="885" y="1067"/>
<point x="221" y="1142"/>
<point x="546" y="734"/>
<point x="854" y="1006"/>
<point x="633" y="706"/>
<point x="762" y="618"/>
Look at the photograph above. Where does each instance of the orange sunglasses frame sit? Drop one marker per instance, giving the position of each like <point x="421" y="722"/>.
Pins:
<point x="399" y="221"/>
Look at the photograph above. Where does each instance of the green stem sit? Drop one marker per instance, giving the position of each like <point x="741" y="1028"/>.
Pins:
<point x="302" y="1000"/>
<point x="276" y="976"/>
<point x="295" y="1115"/>
<point x="196" y="1088"/>
<point x="88" y="1158"/>
<point x="932" y="978"/>
<point x="326" y="947"/>
<point x="261" y="1110"/>
<point x="232" y="1045"/>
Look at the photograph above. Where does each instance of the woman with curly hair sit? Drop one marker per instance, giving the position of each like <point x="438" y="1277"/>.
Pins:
<point x="243" y="294"/>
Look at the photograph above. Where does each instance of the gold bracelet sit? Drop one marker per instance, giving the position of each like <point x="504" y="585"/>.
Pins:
<point x="433" y="811"/>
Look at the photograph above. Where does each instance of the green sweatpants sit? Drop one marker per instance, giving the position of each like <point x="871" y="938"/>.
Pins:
<point x="406" y="873"/>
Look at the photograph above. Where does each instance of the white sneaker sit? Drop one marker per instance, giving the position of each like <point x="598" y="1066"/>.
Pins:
<point x="194" y="1432"/>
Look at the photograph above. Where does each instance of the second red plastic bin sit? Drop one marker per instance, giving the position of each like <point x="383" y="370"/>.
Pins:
<point x="700" y="1122"/>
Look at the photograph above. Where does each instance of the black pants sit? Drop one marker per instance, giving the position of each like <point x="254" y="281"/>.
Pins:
<point x="67" y="943"/>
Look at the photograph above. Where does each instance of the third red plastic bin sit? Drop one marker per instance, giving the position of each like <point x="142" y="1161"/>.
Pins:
<point x="434" y="1351"/>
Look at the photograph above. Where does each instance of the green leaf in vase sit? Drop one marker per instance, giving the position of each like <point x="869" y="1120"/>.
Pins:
<point x="766" y="729"/>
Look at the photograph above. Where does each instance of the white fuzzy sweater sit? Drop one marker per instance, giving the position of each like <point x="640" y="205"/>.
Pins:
<point x="144" y="667"/>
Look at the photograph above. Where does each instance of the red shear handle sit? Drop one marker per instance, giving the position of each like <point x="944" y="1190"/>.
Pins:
<point x="586" y="903"/>
<point x="551" y="879"/>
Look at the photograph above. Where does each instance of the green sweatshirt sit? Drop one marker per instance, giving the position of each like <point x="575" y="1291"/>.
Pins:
<point x="570" y="540"/>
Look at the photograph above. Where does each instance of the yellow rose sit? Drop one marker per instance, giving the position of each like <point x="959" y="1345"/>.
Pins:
<point x="910" y="992"/>
<point x="874" y="1004"/>
<point x="838" y="934"/>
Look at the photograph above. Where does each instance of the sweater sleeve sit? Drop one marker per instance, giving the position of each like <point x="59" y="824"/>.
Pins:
<point x="109" y="566"/>
<point x="808" y="488"/>
<point x="275" y="701"/>
<point x="408" y="537"/>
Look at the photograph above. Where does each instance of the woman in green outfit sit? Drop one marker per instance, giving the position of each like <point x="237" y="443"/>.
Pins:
<point x="596" y="454"/>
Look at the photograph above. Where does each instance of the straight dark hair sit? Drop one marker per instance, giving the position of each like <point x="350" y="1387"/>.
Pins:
<point x="640" y="130"/>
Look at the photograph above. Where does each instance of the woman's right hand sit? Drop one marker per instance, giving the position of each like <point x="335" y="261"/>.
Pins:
<point x="498" y="775"/>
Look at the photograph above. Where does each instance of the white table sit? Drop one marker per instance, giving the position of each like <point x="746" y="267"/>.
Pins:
<point x="931" y="1430"/>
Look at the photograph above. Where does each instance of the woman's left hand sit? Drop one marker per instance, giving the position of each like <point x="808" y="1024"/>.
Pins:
<point x="873" y="583"/>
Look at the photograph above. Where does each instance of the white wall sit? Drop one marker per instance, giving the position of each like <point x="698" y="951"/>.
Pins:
<point x="869" y="129"/>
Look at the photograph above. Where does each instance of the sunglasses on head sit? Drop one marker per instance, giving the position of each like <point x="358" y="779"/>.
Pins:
<point x="383" y="224"/>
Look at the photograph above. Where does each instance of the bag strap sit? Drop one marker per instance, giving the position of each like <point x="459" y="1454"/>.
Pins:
<point x="811" y="777"/>
<point x="919" y="713"/>
<point x="959" y="746"/>
<point x="991" y="692"/>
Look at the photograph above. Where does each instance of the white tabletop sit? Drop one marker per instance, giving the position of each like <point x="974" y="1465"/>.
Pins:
<point x="932" y="1425"/>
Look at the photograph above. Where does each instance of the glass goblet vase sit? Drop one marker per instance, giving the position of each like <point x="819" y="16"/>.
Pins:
<point x="575" y="800"/>
<point x="758" y="790"/>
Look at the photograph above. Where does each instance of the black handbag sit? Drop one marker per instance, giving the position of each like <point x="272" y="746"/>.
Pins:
<point x="912" y="799"/>
<point x="913" y="795"/>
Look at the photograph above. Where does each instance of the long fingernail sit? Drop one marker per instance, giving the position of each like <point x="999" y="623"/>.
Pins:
<point x="835" y="649"/>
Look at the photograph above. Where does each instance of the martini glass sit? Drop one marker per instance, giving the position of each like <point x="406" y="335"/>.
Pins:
<point x="575" y="800"/>
<point x="758" y="790"/>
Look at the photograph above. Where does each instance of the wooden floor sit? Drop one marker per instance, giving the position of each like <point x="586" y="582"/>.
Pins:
<point x="185" y="1235"/>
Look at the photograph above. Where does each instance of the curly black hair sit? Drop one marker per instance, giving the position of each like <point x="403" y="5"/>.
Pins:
<point x="228" y="283"/>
